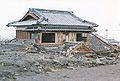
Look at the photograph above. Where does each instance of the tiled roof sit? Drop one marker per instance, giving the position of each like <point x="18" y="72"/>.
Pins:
<point x="54" y="18"/>
<point x="97" y="43"/>
<point x="61" y="18"/>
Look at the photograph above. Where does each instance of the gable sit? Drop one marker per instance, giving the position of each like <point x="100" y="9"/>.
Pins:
<point x="29" y="16"/>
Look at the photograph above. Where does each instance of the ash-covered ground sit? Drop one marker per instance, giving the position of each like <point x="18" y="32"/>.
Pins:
<point x="23" y="61"/>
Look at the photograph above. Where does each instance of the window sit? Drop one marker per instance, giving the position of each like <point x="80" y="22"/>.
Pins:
<point x="34" y="35"/>
<point x="81" y="37"/>
<point x="48" y="37"/>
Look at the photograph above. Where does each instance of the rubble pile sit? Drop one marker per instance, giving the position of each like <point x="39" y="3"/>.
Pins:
<point x="25" y="57"/>
<point x="22" y="63"/>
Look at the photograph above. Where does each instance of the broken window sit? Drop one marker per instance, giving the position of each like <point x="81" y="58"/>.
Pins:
<point x="48" y="37"/>
<point x="81" y="37"/>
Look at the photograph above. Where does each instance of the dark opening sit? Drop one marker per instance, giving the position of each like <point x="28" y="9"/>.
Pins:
<point x="79" y="36"/>
<point x="48" y="37"/>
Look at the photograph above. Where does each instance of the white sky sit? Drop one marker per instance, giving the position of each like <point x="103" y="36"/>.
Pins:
<point x="106" y="13"/>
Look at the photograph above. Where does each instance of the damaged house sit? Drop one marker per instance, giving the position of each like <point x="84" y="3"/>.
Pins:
<point x="52" y="27"/>
<point x="55" y="27"/>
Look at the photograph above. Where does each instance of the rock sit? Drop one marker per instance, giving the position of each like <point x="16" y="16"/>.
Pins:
<point x="48" y="69"/>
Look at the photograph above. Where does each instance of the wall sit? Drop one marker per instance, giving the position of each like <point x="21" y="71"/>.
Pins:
<point x="68" y="36"/>
<point x="22" y="35"/>
<point x="60" y="37"/>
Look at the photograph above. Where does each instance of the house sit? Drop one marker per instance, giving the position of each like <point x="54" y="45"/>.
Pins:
<point x="52" y="26"/>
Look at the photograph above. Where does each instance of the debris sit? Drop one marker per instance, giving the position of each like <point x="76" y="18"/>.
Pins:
<point x="48" y="69"/>
<point x="7" y="76"/>
<point x="72" y="68"/>
<point x="66" y="76"/>
<point x="21" y="57"/>
<point x="25" y="69"/>
<point x="35" y="69"/>
<point x="100" y="61"/>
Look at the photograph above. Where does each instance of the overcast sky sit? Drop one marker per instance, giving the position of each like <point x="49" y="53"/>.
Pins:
<point x="106" y="13"/>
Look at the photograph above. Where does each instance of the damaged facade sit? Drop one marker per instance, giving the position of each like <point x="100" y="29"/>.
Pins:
<point x="52" y="27"/>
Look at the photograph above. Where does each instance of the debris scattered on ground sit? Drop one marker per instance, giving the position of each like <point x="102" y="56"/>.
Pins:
<point x="28" y="58"/>
<point x="7" y="76"/>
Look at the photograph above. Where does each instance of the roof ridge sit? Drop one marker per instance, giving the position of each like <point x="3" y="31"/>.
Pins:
<point x="49" y="10"/>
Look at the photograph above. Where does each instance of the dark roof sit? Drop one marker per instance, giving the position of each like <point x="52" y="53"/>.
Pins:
<point x="53" y="18"/>
<point x="97" y="43"/>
